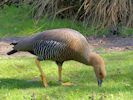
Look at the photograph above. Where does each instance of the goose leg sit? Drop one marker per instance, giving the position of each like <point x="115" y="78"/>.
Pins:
<point x="60" y="73"/>
<point x="43" y="77"/>
<point x="60" y="76"/>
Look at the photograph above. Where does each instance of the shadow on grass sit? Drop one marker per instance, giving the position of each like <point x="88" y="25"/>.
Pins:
<point x="19" y="83"/>
<point x="10" y="83"/>
<point x="84" y="82"/>
<point x="25" y="84"/>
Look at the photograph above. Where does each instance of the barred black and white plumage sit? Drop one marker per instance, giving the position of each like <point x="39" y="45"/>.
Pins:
<point x="50" y="50"/>
<point x="61" y="45"/>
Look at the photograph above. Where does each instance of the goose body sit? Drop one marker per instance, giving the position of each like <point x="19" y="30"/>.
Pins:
<point x="61" y="45"/>
<point x="58" y="44"/>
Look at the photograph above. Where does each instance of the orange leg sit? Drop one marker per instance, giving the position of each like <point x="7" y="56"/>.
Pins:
<point x="60" y="73"/>
<point x="43" y="77"/>
<point x="60" y="77"/>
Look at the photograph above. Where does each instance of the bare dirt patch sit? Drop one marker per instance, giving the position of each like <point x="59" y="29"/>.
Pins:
<point x="112" y="43"/>
<point x="107" y="44"/>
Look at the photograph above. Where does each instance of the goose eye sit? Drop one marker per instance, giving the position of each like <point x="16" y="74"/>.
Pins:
<point x="100" y="74"/>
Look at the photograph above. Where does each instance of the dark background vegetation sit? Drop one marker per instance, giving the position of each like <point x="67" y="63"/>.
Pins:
<point x="111" y="17"/>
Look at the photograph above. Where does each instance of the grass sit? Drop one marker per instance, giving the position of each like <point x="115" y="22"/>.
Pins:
<point x="18" y="22"/>
<point x="19" y="79"/>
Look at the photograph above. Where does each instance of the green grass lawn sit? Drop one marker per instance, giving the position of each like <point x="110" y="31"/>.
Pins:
<point x="19" y="79"/>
